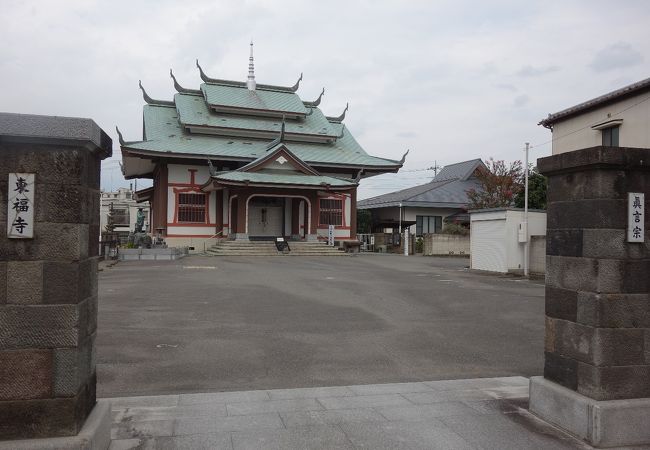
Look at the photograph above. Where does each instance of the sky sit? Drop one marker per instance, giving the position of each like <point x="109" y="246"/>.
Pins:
<point x="448" y="80"/>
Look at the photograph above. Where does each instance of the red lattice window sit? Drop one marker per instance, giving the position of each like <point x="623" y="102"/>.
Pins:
<point x="191" y="208"/>
<point x="331" y="211"/>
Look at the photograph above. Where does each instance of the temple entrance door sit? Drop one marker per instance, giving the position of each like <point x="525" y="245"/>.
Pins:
<point x="265" y="217"/>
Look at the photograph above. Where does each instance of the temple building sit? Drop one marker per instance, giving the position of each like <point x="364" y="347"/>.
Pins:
<point x="247" y="161"/>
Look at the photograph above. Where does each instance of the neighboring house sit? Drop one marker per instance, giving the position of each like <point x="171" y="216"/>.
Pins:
<point x="125" y="211"/>
<point x="620" y="118"/>
<point x="247" y="161"/>
<point x="424" y="208"/>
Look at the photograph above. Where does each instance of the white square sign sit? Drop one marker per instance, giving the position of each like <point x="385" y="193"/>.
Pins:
<point x="20" y="205"/>
<point x="635" y="217"/>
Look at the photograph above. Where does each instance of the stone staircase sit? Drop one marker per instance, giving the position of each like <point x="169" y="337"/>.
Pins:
<point x="267" y="248"/>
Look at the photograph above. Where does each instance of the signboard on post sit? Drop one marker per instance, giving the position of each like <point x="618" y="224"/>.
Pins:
<point x="635" y="217"/>
<point x="20" y="206"/>
<point x="330" y="235"/>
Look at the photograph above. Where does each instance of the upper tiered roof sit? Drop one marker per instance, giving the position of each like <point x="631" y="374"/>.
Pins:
<point x="232" y="120"/>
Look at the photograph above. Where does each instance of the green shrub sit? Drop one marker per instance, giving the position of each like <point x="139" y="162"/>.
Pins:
<point x="454" y="228"/>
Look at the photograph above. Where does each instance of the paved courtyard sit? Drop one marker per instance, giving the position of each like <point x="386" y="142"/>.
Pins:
<point x="230" y="324"/>
<point x="486" y="413"/>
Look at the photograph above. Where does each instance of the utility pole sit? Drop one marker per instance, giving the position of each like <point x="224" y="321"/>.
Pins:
<point x="527" y="242"/>
<point x="435" y="168"/>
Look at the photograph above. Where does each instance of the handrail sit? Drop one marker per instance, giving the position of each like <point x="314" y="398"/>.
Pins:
<point x="211" y="237"/>
<point x="215" y="235"/>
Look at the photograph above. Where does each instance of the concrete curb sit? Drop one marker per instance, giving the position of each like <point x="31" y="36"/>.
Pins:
<point x="607" y="423"/>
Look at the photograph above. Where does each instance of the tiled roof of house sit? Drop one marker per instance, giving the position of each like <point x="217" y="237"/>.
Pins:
<point x="618" y="94"/>
<point x="459" y="171"/>
<point x="447" y="189"/>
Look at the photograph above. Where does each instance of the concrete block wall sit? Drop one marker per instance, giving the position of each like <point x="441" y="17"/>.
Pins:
<point x="48" y="284"/>
<point x="597" y="285"/>
<point x="446" y="244"/>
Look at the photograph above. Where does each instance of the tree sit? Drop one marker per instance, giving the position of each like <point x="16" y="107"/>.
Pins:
<point x="537" y="184"/>
<point x="364" y="221"/>
<point x="499" y="185"/>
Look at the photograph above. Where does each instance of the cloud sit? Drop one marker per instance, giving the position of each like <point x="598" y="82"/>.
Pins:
<point x="451" y="80"/>
<point x="407" y="134"/>
<point x="506" y="86"/>
<point x="521" y="101"/>
<point x="530" y="71"/>
<point x="616" y="56"/>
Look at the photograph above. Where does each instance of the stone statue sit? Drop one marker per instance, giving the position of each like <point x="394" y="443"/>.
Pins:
<point x="139" y="223"/>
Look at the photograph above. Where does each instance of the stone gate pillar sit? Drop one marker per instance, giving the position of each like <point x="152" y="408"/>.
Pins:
<point x="48" y="282"/>
<point x="596" y="382"/>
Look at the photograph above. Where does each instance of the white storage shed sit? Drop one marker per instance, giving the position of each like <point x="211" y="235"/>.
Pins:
<point x="497" y="238"/>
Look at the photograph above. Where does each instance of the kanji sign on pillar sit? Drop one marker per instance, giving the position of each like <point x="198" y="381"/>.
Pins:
<point x="636" y="217"/>
<point x="20" y="205"/>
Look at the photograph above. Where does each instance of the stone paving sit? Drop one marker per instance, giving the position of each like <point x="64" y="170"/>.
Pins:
<point x="488" y="413"/>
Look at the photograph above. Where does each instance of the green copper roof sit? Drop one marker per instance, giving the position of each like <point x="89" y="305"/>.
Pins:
<point x="241" y="97"/>
<point x="193" y="110"/>
<point x="278" y="177"/>
<point x="164" y="135"/>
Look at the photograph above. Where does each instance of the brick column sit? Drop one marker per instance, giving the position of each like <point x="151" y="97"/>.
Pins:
<point x="48" y="284"/>
<point x="597" y="346"/>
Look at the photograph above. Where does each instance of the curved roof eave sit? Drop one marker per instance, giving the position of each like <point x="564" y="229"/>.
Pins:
<point x="170" y="154"/>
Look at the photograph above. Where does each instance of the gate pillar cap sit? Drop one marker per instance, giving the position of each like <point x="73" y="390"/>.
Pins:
<point x="599" y="157"/>
<point x="54" y="130"/>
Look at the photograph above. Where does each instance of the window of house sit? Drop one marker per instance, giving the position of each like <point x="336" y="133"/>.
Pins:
<point x="331" y="212"/>
<point x="191" y="208"/>
<point x="610" y="136"/>
<point x="428" y="224"/>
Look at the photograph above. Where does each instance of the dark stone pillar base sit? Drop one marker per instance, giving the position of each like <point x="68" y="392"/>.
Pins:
<point x="608" y="423"/>
<point x="95" y="434"/>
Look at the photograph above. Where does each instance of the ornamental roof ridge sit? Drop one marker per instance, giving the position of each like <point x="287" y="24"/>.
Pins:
<point x="340" y="118"/>
<point x="180" y="89"/>
<point x="242" y="84"/>
<point x="315" y="102"/>
<point x="279" y="140"/>
<point x="121" y="138"/>
<point x="151" y="101"/>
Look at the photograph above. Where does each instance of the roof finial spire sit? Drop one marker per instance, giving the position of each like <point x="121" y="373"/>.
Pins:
<point x="250" y="83"/>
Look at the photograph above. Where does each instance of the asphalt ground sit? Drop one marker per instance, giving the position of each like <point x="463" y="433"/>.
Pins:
<point x="205" y="324"/>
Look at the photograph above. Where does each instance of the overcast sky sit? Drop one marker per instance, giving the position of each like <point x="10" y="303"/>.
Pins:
<point x="449" y="80"/>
